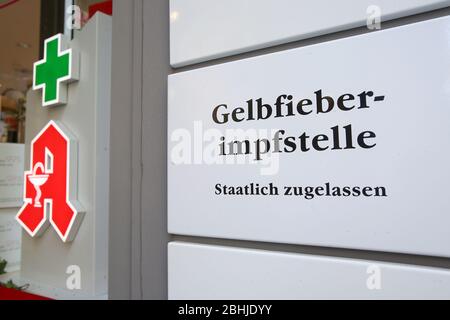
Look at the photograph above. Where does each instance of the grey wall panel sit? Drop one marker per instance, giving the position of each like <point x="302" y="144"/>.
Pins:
<point x="154" y="148"/>
<point x="121" y="155"/>
<point x="138" y="267"/>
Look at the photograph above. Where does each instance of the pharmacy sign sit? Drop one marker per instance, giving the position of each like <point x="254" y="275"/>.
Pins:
<point x="59" y="67"/>
<point x="50" y="186"/>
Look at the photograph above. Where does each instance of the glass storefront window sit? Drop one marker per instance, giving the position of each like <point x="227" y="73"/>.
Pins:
<point x="24" y="27"/>
<point x="19" y="49"/>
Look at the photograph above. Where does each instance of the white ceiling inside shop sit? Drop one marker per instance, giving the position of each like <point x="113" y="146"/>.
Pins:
<point x="19" y="43"/>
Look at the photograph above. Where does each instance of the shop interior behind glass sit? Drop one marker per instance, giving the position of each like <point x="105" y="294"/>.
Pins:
<point x="24" y="26"/>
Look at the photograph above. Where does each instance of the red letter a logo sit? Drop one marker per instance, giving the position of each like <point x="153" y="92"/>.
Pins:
<point x="50" y="187"/>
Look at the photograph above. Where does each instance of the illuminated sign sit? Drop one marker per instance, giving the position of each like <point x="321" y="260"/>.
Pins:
<point x="50" y="187"/>
<point x="59" y="67"/>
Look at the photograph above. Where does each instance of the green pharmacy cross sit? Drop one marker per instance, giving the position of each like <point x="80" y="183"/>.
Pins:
<point x="59" y="67"/>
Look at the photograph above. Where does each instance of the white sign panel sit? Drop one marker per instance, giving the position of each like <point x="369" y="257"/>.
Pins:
<point x="11" y="174"/>
<point x="214" y="272"/>
<point x="342" y="144"/>
<point x="47" y="262"/>
<point x="203" y="29"/>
